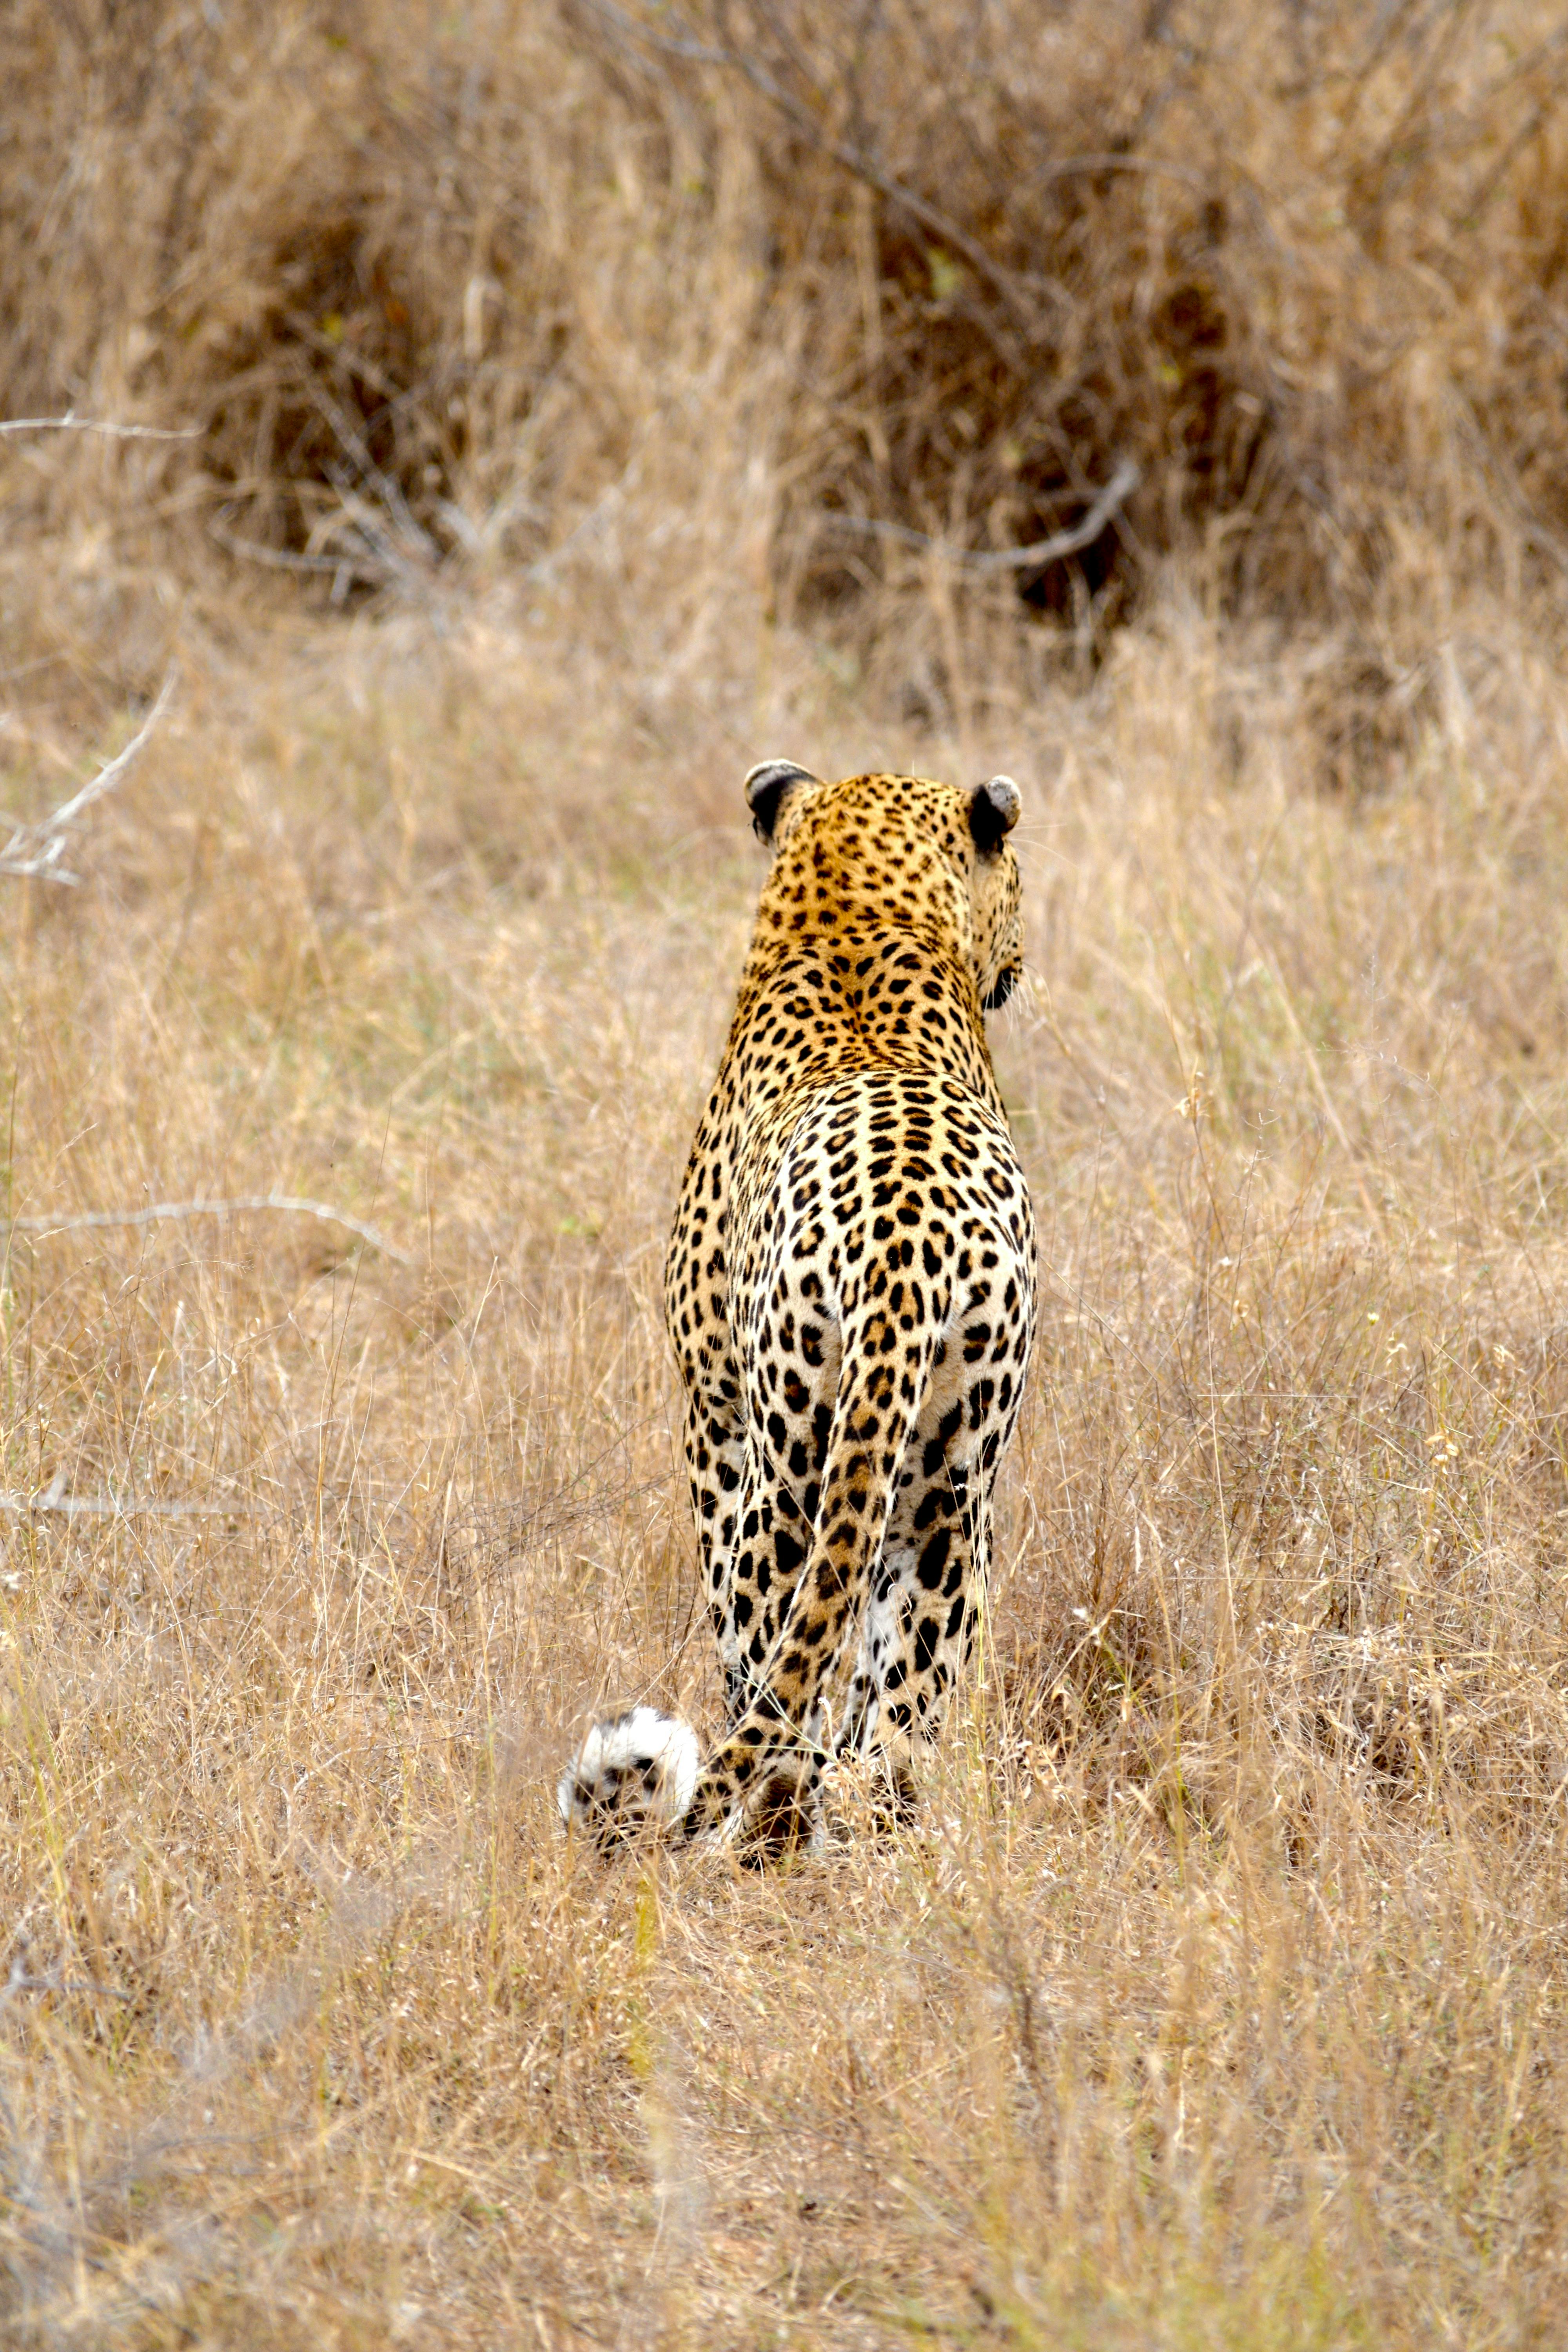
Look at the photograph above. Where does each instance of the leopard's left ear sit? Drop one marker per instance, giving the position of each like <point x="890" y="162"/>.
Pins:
<point x="772" y="784"/>
<point x="995" y="808"/>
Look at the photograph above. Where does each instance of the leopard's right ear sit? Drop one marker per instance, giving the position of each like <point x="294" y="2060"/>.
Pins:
<point x="770" y="788"/>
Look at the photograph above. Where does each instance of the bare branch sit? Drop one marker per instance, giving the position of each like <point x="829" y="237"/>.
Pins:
<point x="864" y="167"/>
<point x="114" y="1507"/>
<point x="35" y="849"/>
<point x="388" y="491"/>
<point x="108" y="777"/>
<point x="698" y="50"/>
<point x="1040" y="552"/>
<point x="22" y="1980"/>
<point x="71" y="423"/>
<point x="282" y="559"/>
<point x="163" y="1212"/>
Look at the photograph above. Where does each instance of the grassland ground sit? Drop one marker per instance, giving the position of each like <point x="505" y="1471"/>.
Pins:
<point x="1218" y="1997"/>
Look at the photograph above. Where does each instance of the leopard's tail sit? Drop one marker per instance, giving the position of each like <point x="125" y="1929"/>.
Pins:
<point x="636" y="1768"/>
<point x="763" y="1775"/>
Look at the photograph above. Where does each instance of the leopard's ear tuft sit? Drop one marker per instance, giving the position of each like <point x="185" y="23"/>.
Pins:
<point x="769" y="785"/>
<point x="995" y="808"/>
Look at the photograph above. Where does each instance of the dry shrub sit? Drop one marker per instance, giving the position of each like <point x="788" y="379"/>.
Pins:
<point x="431" y="286"/>
<point x="1295" y="264"/>
<point x="274" y="227"/>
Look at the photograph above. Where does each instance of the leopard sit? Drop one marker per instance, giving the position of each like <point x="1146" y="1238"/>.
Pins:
<point x="851" y="1292"/>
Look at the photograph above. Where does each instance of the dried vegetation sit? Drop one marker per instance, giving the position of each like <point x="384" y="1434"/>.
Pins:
<point x="577" y="403"/>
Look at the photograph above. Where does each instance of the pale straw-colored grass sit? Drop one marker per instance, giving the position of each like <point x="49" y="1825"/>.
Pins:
<point x="1217" y="1998"/>
<point x="629" y="418"/>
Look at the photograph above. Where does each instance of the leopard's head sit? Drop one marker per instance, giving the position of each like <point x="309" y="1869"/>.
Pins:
<point x="893" y="836"/>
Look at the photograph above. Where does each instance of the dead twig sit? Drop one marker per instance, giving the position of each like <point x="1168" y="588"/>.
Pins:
<point x="1040" y="552"/>
<point x="701" y="52"/>
<point x="34" y="850"/>
<point x="384" y="491"/>
<point x="71" y="423"/>
<point x="362" y="560"/>
<point x="23" y="1979"/>
<point x="358" y="566"/>
<point x="163" y="1212"/>
<point x="116" y="1507"/>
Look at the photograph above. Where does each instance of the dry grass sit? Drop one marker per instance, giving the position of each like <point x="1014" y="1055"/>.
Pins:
<point x="1219" y="1998"/>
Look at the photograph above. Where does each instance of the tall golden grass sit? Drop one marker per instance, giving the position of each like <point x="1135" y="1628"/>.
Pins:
<point x="1218" y="1997"/>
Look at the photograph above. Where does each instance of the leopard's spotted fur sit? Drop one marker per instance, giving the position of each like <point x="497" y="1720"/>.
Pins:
<point x="850" y="1289"/>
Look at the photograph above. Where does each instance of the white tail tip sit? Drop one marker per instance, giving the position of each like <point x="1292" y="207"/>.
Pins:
<point x="630" y="1768"/>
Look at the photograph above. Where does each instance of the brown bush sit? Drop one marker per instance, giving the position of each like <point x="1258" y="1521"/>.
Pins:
<point x="424" y="288"/>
